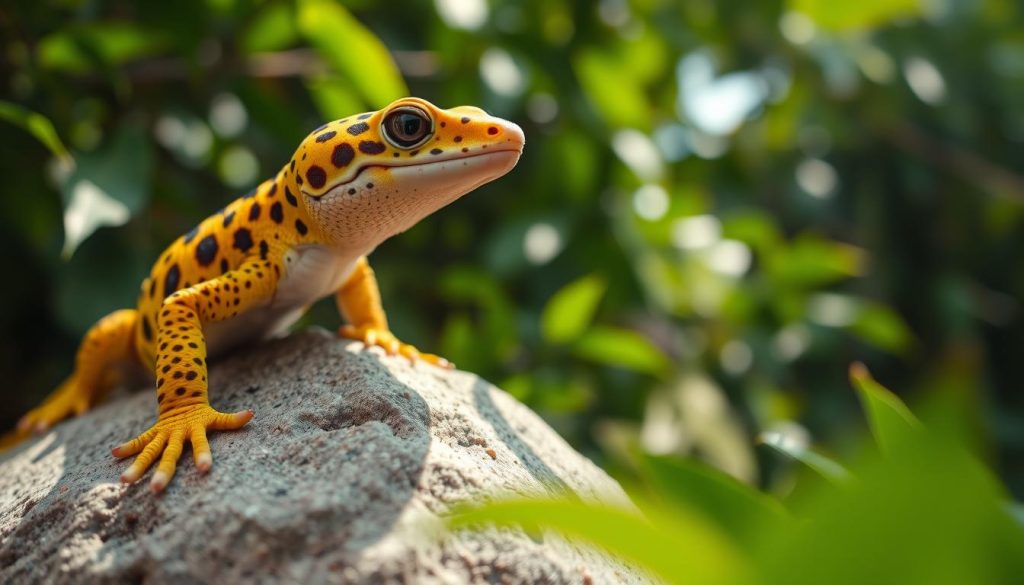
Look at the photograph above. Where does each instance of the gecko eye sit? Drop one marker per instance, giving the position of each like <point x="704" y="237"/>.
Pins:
<point x="407" y="127"/>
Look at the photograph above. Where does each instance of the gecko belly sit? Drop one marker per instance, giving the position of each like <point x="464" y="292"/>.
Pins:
<point x="310" y="274"/>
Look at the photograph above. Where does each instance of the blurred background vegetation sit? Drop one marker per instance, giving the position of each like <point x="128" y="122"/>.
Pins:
<point x="721" y="205"/>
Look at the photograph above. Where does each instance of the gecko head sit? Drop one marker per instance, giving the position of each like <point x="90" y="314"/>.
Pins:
<point x="371" y="176"/>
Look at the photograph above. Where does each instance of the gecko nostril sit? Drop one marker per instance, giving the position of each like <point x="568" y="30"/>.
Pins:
<point x="492" y="130"/>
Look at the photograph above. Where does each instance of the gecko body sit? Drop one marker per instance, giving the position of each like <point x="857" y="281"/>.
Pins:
<point x="252" y="269"/>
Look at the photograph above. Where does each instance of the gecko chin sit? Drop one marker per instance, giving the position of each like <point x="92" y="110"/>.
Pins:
<point x="381" y="201"/>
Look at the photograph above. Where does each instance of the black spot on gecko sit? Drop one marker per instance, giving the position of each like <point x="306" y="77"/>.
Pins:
<point x="180" y="391"/>
<point x="223" y="268"/>
<point x="465" y="120"/>
<point x="152" y="288"/>
<point x="316" y="177"/>
<point x="273" y="190"/>
<point x="457" y="139"/>
<point x="264" y="249"/>
<point x="243" y="239"/>
<point x="276" y="213"/>
<point x="147" y="329"/>
<point x="254" y="212"/>
<point x="342" y="155"/>
<point x="301" y="227"/>
<point x="229" y="218"/>
<point x="291" y="198"/>
<point x="363" y="116"/>
<point x="371" y="147"/>
<point x="326" y="136"/>
<point x="191" y="375"/>
<point x="171" y="282"/>
<point x="357" y="129"/>
<point x="292" y="165"/>
<point x="206" y="250"/>
<point x="436" y="151"/>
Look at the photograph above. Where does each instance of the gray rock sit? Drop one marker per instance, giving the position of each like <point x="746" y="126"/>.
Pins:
<point x="343" y="477"/>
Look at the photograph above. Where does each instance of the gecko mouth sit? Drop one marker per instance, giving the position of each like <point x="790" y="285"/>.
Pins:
<point x="338" y="186"/>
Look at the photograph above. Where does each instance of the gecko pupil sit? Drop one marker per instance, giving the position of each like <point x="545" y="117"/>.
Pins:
<point x="407" y="127"/>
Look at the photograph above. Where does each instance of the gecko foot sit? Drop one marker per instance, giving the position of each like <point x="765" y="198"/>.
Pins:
<point x="66" y="401"/>
<point x="167" y="437"/>
<point x="372" y="336"/>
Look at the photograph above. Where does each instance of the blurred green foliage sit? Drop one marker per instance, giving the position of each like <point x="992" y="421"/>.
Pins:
<point x="916" y="509"/>
<point x="721" y="204"/>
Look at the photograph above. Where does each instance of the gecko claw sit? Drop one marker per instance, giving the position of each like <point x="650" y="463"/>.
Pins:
<point x="386" y="340"/>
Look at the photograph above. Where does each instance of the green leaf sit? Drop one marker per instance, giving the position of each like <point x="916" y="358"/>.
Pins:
<point x="569" y="312"/>
<point x="622" y="348"/>
<point x="107" y="187"/>
<point x="930" y="514"/>
<point x="738" y="509"/>
<point x="352" y="50"/>
<point x="612" y="90"/>
<point x="682" y="547"/>
<point x="822" y="465"/>
<point x="37" y="125"/>
<point x="334" y="97"/>
<point x="272" y="29"/>
<point x="78" y="48"/>
<point x="811" y="260"/>
<point x="888" y="416"/>
<point x="864" y="14"/>
<point x="882" y="327"/>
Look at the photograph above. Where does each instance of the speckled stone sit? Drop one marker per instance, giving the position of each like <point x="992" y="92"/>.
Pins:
<point x="343" y="476"/>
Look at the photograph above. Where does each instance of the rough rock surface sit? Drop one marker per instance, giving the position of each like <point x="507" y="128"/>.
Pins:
<point x="343" y="476"/>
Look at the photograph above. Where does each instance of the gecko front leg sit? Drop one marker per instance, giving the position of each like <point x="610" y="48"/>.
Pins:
<point x="184" y="411"/>
<point x="359" y="302"/>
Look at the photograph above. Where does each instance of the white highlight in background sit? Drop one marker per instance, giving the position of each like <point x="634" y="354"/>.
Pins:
<point x="462" y="14"/>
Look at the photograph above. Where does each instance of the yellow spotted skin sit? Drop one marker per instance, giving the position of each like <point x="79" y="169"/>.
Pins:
<point x="253" y="267"/>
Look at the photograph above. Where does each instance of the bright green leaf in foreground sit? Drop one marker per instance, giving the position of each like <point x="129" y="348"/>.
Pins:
<point x="571" y="309"/>
<point x="623" y="348"/>
<point x="37" y="125"/>
<point x="738" y="509"/>
<point x="681" y="549"/>
<point x="888" y="416"/>
<point x="824" y="466"/>
<point x="352" y="50"/>
<point x="926" y="514"/>
<point x="840" y="16"/>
